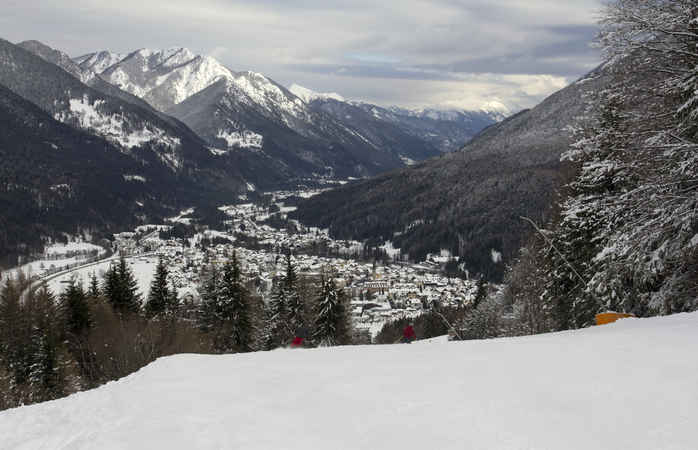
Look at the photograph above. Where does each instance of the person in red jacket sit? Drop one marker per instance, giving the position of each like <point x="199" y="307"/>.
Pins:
<point x="408" y="335"/>
<point x="299" y="339"/>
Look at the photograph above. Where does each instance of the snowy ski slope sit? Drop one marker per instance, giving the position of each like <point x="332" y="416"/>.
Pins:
<point x="629" y="385"/>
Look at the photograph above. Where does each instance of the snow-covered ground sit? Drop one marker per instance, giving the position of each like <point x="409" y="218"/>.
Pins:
<point x="58" y="256"/>
<point x="630" y="385"/>
<point x="143" y="268"/>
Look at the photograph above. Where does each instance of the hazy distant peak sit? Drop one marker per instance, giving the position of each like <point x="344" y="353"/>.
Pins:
<point x="308" y="95"/>
<point x="497" y="109"/>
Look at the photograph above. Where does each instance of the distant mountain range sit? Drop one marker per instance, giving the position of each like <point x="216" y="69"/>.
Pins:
<point x="178" y="129"/>
<point x="472" y="201"/>
<point x="282" y="134"/>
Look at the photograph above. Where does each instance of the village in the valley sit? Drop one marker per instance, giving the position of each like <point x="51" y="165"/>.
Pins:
<point x="380" y="289"/>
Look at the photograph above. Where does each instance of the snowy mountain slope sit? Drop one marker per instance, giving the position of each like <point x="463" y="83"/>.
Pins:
<point x="74" y="103"/>
<point x="629" y="385"/>
<point x="251" y="113"/>
<point x="84" y="73"/>
<point x="98" y="62"/>
<point x="164" y="78"/>
<point x="384" y="130"/>
<point x="139" y="132"/>
<point x="400" y="128"/>
<point x="291" y="136"/>
<point x="293" y="139"/>
<point x="308" y="95"/>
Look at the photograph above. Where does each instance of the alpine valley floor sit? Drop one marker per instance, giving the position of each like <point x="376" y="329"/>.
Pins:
<point x="629" y="385"/>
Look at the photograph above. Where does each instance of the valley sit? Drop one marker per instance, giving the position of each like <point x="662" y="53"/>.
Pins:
<point x="349" y="225"/>
<point x="379" y="285"/>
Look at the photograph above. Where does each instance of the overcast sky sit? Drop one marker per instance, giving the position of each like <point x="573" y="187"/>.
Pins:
<point x="413" y="53"/>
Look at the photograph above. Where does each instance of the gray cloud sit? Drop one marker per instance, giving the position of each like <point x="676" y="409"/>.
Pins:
<point x="406" y="52"/>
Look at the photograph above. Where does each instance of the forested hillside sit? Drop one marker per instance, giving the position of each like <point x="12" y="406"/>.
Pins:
<point x="56" y="179"/>
<point x="626" y="238"/>
<point x="471" y="201"/>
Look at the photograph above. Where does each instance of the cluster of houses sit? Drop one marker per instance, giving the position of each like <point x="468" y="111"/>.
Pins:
<point x="378" y="292"/>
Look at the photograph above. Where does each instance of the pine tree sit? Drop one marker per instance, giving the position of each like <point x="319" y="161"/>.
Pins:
<point x="625" y="238"/>
<point x="94" y="291"/>
<point x="331" y="321"/>
<point x="159" y="296"/>
<point x="279" y="332"/>
<point x="48" y="360"/>
<point x="12" y="322"/>
<point x="73" y="301"/>
<point x="110" y="286"/>
<point x="172" y="308"/>
<point x="121" y="289"/>
<point x="207" y="316"/>
<point x="131" y="298"/>
<point x="480" y="292"/>
<point x="235" y="309"/>
<point x="296" y="305"/>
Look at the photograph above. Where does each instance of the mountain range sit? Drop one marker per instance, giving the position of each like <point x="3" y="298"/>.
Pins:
<point x="279" y="134"/>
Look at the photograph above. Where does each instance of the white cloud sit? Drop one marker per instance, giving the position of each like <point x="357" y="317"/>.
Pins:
<point x="457" y="51"/>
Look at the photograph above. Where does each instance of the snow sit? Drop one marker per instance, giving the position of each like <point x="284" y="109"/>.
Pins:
<point x="143" y="270"/>
<point x="244" y="139"/>
<point x="177" y="57"/>
<point x="255" y="89"/>
<point x="100" y="61"/>
<point x="408" y="161"/>
<point x="497" y="109"/>
<point x="135" y="178"/>
<point x="77" y="247"/>
<point x="191" y="75"/>
<point x="57" y="256"/>
<point x="177" y="70"/>
<point x="181" y="217"/>
<point x="114" y="127"/>
<point x="308" y="95"/>
<point x="390" y="250"/>
<point x="621" y="386"/>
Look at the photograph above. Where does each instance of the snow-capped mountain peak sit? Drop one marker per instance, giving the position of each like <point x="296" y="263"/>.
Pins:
<point x="308" y="95"/>
<point x="163" y="78"/>
<point x="497" y="109"/>
<point x="98" y="62"/>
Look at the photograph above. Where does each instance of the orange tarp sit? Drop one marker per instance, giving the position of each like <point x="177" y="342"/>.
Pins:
<point x="610" y="317"/>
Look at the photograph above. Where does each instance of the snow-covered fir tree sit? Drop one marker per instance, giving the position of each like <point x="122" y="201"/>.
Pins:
<point x="278" y="331"/>
<point x="331" y="320"/>
<point x="296" y="305"/>
<point x="627" y="235"/>
<point x="235" y="308"/>
<point x="226" y="312"/>
<point x="208" y="308"/>
<point x="285" y="313"/>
